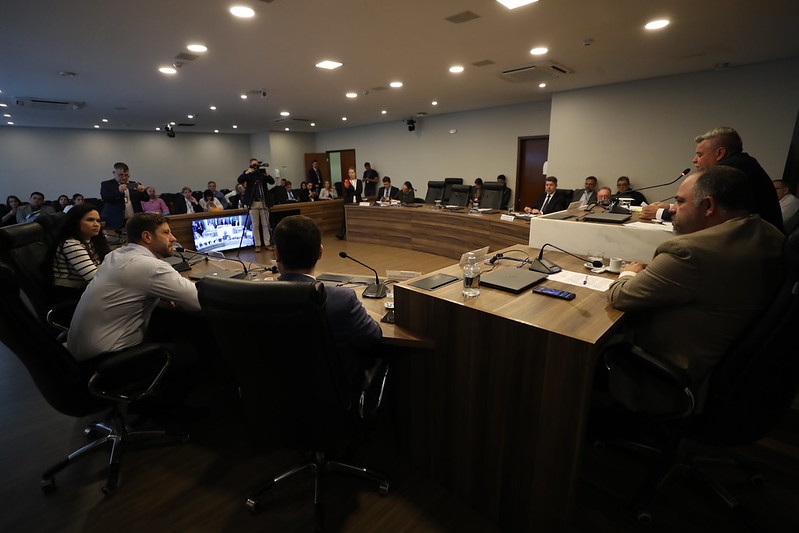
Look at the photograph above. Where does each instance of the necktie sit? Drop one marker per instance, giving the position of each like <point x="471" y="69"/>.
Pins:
<point x="546" y="203"/>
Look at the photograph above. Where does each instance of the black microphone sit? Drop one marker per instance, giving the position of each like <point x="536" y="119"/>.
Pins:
<point x="613" y="206"/>
<point x="184" y="264"/>
<point x="548" y="267"/>
<point x="374" y="290"/>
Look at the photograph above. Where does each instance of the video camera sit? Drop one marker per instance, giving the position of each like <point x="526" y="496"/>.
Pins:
<point x="260" y="165"/>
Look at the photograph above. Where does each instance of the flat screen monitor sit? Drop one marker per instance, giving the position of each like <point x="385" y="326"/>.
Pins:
<point x="222" y="233"/>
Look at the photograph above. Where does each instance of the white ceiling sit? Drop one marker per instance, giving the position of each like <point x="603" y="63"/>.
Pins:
<point x="115" y="48"/>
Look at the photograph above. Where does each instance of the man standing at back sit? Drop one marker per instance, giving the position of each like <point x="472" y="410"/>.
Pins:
<point x="703" y="287"/>
<point x="114" y="312"/>
<point x="723" y="146"/>
<point x="122" y="198"/>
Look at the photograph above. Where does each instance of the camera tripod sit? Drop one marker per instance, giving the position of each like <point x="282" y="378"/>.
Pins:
<point x="258" y="190"/>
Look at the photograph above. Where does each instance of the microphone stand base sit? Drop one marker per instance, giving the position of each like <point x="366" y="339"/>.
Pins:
<point x="544" y="266"/>
<point x="375" y="291"/>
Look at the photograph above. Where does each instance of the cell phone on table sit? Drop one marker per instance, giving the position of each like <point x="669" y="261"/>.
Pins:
<point x="555" y="293"/>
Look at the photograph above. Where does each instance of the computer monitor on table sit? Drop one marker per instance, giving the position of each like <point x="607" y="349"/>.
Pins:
<point x="222" y="233"/>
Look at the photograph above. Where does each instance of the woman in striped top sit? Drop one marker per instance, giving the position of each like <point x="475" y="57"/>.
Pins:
<point x="80" y="249"/>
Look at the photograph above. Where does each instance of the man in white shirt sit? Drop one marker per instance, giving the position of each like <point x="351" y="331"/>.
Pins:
<point x="789" y="204"/>
<point x="115" y="310"/>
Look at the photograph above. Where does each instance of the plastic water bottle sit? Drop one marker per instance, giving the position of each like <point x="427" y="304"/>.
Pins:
<point x="471" y="276"/>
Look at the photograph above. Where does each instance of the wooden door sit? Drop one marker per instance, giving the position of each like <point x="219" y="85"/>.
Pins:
<point x="533" y="153"/>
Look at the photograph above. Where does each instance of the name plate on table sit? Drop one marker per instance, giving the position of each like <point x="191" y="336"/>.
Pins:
<point x="507" y="218"/>
<point x="365" y="204"/>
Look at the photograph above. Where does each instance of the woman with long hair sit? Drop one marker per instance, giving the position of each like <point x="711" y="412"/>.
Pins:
<point x="79" y="250"/>
<point x="10" y="217"/>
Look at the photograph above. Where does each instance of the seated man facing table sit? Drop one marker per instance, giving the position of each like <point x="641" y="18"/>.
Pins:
<point x="388" y="192"/>
<point x="550" y="200"/>
<point x="298" y="247"/>
<point x="703" y="287"/>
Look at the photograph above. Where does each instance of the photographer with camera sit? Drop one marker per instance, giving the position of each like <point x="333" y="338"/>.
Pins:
<point x="256" y="197"/>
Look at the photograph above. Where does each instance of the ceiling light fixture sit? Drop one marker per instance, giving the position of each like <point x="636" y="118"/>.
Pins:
<point x="383" y="112"/>
<point x="328" y="64"/>
<point x="6" y="115"/>
<point x="513" y="4"/>
<point x="344" y="118"/>
<point x="242" y="11"/>
<point x="10" y="123"/>
<point x="212" y="108"/>
<point x="313" y="123"/>
<point x="351" y="95"/>
<point x="197" y="48"/>
<point x="542" y="84"/>
<point x="105" y="120"/>
<point x="235" y="126"/>
<point x="395" y="84"/>
<point x="434" y="102"/>
<point x="189" y="116"/>
<point x="284" y="113"/>
<point x="286" y="129"/>
<point x="539" y="51"/>
<point x="167" y="70"/>
<point x="243" y="96"/>
<point x="656" y="24"/>
<point x="97" y="126"/>
<point x="456" y="69"/>
<point x="216" y="131"/>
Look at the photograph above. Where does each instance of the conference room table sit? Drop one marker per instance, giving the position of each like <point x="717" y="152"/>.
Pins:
<point x="492" y="392"/>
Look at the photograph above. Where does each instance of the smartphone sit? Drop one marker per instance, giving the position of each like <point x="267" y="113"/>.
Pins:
<point x="555" y="293"/>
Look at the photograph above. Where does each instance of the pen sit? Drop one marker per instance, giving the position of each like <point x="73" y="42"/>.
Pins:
<point x="585" y="281"/>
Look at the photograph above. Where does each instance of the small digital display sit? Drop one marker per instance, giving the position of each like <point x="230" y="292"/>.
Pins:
<point x="222" y="233"/>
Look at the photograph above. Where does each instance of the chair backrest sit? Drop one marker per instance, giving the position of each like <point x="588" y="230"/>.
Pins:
<point x="435" y="191"/>
<point x="60" y="379"/>
<point x="448" y="183"/>
<point x="52" y="226"/>
<point x="491" y="196"/>
<point x="290" y="380"/>
<point x="25" y="247"/>
<point x="460" y="195"/>
<point x="752" y="387"/>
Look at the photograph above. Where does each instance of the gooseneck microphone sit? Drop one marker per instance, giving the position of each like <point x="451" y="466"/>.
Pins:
<point x="613" y="205"/>
<point x="548" y="267"/>
<point x="213" y="256"/>
<point x="374" y="290"/>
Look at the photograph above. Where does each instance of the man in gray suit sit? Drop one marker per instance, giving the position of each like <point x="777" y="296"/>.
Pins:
<point x="703" y="287"/>
<point x="588" y="194"/>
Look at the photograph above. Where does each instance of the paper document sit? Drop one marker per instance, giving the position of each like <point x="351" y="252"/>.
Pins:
<point x="582" y="280"/>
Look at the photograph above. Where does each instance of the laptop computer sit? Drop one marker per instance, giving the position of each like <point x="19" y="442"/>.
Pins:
<point x="613" y="218"/>
<point x="511" y="279"/>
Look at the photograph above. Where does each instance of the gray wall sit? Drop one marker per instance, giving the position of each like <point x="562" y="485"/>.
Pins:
<point x="62" y="161"/>
<point x="645" y="129"/>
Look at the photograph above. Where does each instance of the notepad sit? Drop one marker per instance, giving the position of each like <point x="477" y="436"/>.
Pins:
<point x="433" y="282"/>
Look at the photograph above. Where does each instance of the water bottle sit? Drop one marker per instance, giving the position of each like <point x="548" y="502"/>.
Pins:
<point x="471" y="276"/>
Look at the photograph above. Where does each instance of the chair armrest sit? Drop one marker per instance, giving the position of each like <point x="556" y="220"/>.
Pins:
<point x="372" y="389"/>
<point x="663" y="379"/>
<point x="60" y="316"/>
<point x="130" y="374"/>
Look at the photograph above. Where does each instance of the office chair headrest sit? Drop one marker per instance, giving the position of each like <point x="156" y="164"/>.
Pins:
<point x="20" y="234"/>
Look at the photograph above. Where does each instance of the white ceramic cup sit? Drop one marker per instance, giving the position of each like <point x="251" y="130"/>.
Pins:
<point x="615" y="264"/>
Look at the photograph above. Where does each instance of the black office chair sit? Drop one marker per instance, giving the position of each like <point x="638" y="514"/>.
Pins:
<point x="292" y="389"/>
<point x="491" y="197"/>
<point x="448" y="184"/>
<point x="109" y="382"/>
<point x="749" y="392"/>
<point x="460" y="195"/>
<point x="435" y="191"/>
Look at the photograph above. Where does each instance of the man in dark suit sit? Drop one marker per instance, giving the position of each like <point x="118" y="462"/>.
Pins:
<point x="703" y="287"/>
<point x="315" y="175"/>
<point x="122" y="198"/>
<point x="186" y="203"/>
<point x="551" y="199"/>
<point x="506" y="191"/>
<point x="387" y="192"/>
<point x="298" y="247"/>
<point x="587" y="195"/>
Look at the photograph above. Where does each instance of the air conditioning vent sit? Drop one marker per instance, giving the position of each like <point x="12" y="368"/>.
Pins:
<point x="537" y="72"/>
<point x="50" y="105"/>
<point x="290" y="120"/>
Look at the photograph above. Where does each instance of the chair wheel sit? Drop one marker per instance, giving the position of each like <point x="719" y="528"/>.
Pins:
<point x="757" y="480"/>
<point x="252" y="505"/>
<point x="644" y="517"/>
<point x="382" y="489"/>
<point x="48" y="484"/>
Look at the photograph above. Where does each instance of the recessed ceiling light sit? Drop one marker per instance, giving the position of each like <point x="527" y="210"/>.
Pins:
<point x="396" y="84"/>
<point x="6" y="115"/>
<point x="352" y="95"/>
<point x="383" y="112"/>
<point x="3" y="105"/>
<point x="542" y="84"/>
<point x="97" y="126"/>
<point x="243" y="96"/>
<point x="456" y="69"/>
<point x="328" y="64"/>
<point x="216" y="131"/>
<point x="513" y="4"/>
<point x="197" y="48"/>
<point x="157" y="128"/>
<point x="10" y="123"/>
<point x="212" y="108"/>
<point x="105" y="120"/>
<point x="539" y="51"/>
<point x="284" y="113"/>
<point x="242" y="11"/>
<point x="434" y="102"/>
<point x="286" y="129"/>
<point x="344" y="118"/>
<point x="189" y="116"/>
<point x="172" y="123"/>
<point x="656" y="24"/>
<point x="313" y="123"/>
<point x="235" y="126"/>
<point x="167" y="70"/>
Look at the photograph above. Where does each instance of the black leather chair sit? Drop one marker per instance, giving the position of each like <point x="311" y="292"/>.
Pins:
<point x="749" y="392"/>
<point x="292" y="390"/>
<point x="460" y="195"/>
<point x="25" y="247"/>
<point x="435" y="191"/>
<point x="107" y="383"/>
<point x="448" y="183"/>
<point x="491" y="197"/>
